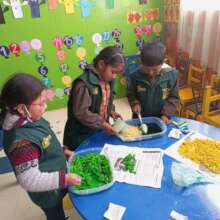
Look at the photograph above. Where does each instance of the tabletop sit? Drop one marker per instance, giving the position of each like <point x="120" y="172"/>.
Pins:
<point x="198" y="201"/>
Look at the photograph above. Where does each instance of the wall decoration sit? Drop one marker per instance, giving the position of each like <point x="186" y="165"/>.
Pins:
<point x="97" y="39"/>
<point x="69" y="5"/>
<point x="157" y="28"/>
<point x="25" y="46"/>
<point x="59" y="93"/>
<point x="16" y="7"/>
<point x="85" y="6"/>
<point x="134" y="17"/>
<point x="63" y="67"/>
<point x="35" y="7"/>
<point x="141" y="2"/>
<point x="76" y="33"/>
<point x="81" y="53"/>
<point x="138" y="32"/>
<point x="52" y="4"/>
<point x="147" y="29"/>
<point x="109" y="4"/>
<point x="36" y="45"/>
<point x="3" y="9"/>
<point x="152" y="14"/>
<point x="68" y="41"/>
<point x="116" y="34"/>
<point x="106" y="37"/>
<point x="14" y="49"/>
<point x="4" y="51"/>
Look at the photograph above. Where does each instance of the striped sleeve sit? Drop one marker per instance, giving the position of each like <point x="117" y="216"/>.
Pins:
<point x="24" y="158"/>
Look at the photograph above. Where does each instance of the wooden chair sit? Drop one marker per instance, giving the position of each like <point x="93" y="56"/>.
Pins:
<point x="211" y="115"/>
<point x="191" y="95"/>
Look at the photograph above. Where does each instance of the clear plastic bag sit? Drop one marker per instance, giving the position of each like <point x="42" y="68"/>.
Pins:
<point x="185" y="176"/>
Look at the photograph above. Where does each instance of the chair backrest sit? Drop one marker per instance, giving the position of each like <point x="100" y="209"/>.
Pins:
<point x="208" y="98"/>
<point x="132" y="64"/>
<point x="196" y="76"/>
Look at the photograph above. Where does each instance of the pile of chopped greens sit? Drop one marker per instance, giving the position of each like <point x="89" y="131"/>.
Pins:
<point x="94" y="170"/>
<point x="129" y="163"/>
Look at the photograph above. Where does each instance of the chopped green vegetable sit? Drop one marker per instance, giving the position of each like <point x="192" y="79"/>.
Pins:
<point x="94" y="170"/>
<point x="129" y="163"/>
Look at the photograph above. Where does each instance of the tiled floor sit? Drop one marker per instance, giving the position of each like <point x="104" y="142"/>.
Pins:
<point x="14" y="202"/>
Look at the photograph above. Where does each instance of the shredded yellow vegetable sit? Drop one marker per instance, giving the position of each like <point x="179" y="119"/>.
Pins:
<point x="131" y="132"/>
<point x="203" y="152"/>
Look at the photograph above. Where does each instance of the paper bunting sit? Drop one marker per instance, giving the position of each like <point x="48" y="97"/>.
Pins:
<point x="35" y="7"/>
<point x="52" y="4"/>
<point x="141" y="2"/>
<point x="85" y="6"/>
<point x="69" y="5"/>
<point x="16" y="7"/>
<point x="109" y="4"/>
<point x="3" y="9"/>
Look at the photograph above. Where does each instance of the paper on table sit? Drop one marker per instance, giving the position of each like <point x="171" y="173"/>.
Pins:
<point x="114" y="212"/>
<point x="172" y="151"/>
<point x="148" y="167"/>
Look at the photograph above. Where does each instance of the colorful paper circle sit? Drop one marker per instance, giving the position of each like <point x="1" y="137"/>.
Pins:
<point x="43" y="70"/>
<point x="97" y="38"/>
<point x="81" y="53"/>
<point x="61" y="55"/>
<point x="64" y="67"/>
<point x="68" y="41"/>
<point x="4" y="51"/>
<point x="14" y="49"/>
<point x="36" y="44"/>
<point x="47" y="82"/>
<point x="59" y="93"/>
<point x="25" y="46"/>
<point x="40" y="58"/>
<point x="58" y="42"/>
<point x="67" y="81"/>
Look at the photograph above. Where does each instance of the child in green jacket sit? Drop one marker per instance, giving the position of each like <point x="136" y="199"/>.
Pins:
<point x="36" y="155"/>
<point x="153" y="90"/>
<point x="91" y="99"/>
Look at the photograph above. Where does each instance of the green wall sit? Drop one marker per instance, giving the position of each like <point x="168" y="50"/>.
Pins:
<point x="53" y="23"/>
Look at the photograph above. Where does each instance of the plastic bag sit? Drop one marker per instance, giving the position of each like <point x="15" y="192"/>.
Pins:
<point x="185" y="176"/>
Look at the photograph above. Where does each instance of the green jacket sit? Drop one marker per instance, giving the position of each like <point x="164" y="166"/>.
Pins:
<point x="75" y="132"/>
<point x="157" y="98"/>
<point x="51" y="159"/>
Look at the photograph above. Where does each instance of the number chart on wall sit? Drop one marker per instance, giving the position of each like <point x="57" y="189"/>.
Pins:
<point x="55" y="39"/>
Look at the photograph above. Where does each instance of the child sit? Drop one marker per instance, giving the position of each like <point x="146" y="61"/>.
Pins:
<point x="33" y="149"/>
<point x="91" y="99"/>
<point x="153" y="90"/>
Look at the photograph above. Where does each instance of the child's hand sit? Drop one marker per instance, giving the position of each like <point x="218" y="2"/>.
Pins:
<point x="136" y="108"/>
<point x="165" y="119"/>
<point x="116" y="115"/>
<point x="108" y="128"/>
<point x="72" y="179"/>
<point x="67" y="152"/>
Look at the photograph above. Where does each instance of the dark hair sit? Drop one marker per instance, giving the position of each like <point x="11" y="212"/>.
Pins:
<point x="110" y="55"/>
<point x="153" y="54"/>
<point x="21" y="88"/>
